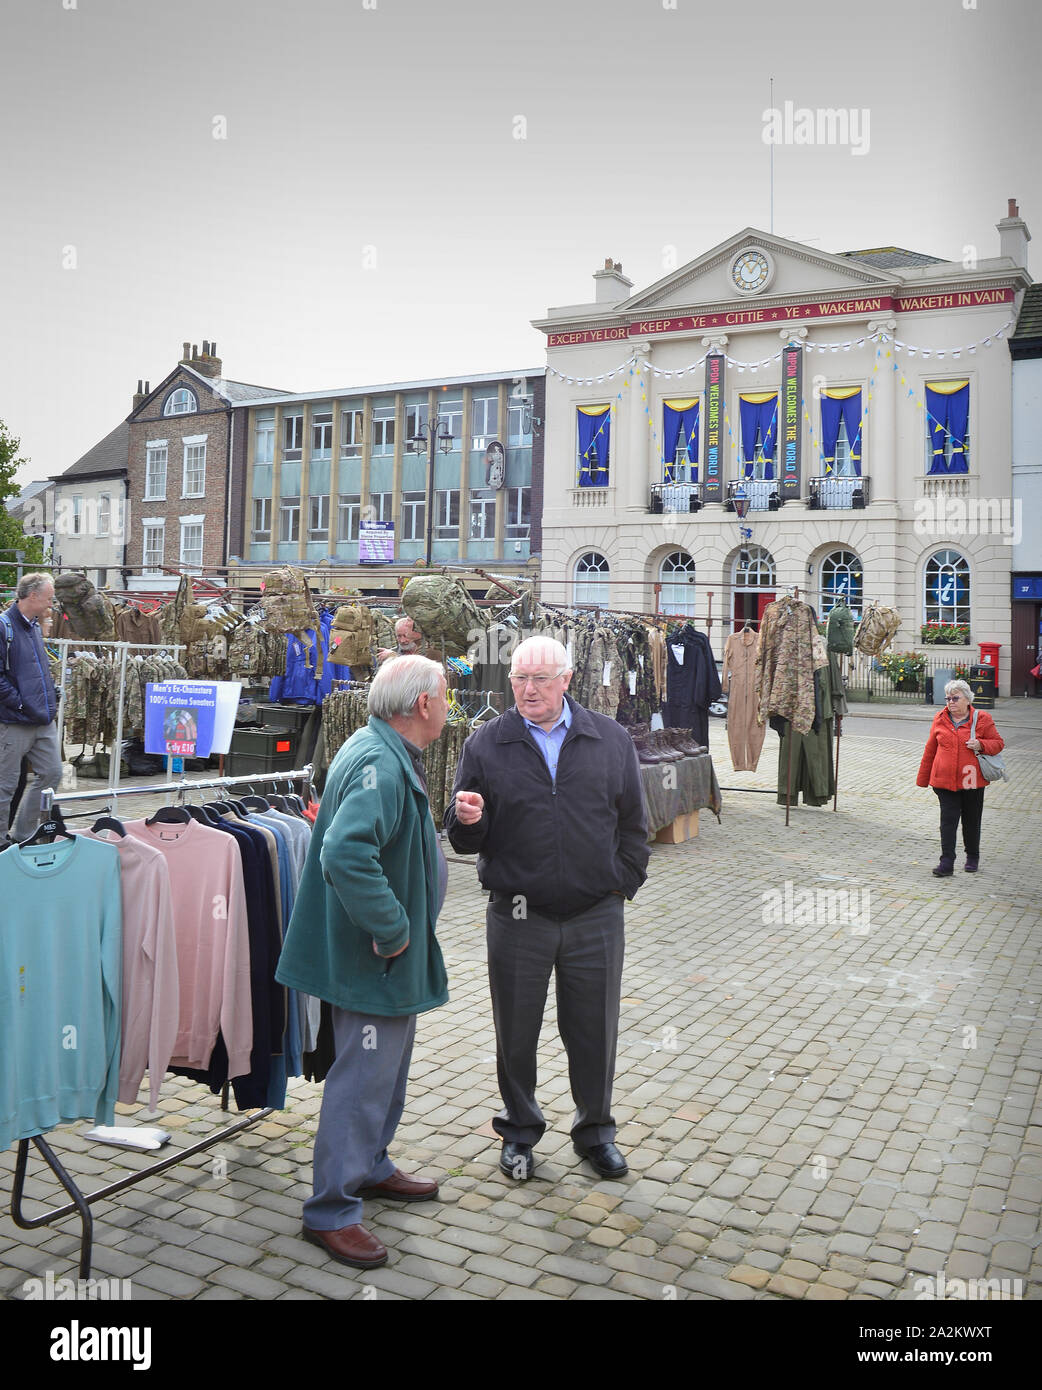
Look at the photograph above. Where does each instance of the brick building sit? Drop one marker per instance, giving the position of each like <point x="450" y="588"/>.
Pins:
<point x="178" y="466"/>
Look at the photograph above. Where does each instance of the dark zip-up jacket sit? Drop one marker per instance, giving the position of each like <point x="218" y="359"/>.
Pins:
<point x="561" y="845"/>
<point x="27" y="694"/>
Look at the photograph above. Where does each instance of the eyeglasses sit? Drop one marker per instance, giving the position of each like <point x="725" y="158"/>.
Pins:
<point x="949" y="698"/>
<point x="540" y="682"/>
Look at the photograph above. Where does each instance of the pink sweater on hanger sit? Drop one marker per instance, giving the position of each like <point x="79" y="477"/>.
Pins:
<point x="213" y="947"/>
<point x="150" y="985"/>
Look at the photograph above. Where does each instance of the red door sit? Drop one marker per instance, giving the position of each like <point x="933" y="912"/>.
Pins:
<point x="762" y="600"/>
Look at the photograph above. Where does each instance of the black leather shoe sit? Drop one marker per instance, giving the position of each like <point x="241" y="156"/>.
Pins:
<point x="605" y="1158"/>
<point x="516" y="1161"/>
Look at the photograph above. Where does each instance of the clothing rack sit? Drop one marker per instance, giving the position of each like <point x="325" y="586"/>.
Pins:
<point x="123" y="650"/>
<point x="81" y="1202"/>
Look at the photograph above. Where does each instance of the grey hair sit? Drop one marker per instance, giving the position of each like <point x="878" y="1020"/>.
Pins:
<point x="959" y="688"/>
<point x="542" y="650"/>
<point x="400" y="682"/>
<point x="29" y="583"/>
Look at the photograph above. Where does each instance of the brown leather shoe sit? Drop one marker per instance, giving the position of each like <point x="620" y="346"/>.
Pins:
<point x="400" y="1187"/>
<point x="351" y="1245"/>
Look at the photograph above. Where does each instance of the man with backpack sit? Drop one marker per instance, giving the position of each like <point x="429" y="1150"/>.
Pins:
<point x="28" y="705"/>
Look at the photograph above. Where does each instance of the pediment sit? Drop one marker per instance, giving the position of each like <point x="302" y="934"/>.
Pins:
<point x="796" y="270"/>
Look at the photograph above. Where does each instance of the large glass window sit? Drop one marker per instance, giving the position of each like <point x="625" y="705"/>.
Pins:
<point x="293" y="437"/>
<point x="482" y="514"/>
<point x="841" y="578"/>
<point x="592" y="580"/>
<point x="450" y="412"/>
<point x="289" y="519"/>
<point x="519" y="423"/>
<point x="322" y="434"/>
<point x="104" y="514"/>
<point x="446" y="515"/>
<point x="754" y="568"/>
<point x="318" y="518"/>
<point x="383" y="429"/>
<point x="77" y="516"/>
<point x="192" y="544"/>
<point x="677" y="578"/>
<point x="193" y="482"/>
<point x="262" y="518"/>
<point x="264" y="437"/>
<point x="349" y="506"/>
<point x="181" y="402"/>
<point x="380" y="506"/>
<point x="351" y="434"/>
<point x="484" y="420"/>
<point x="154" y="544"/>
<point x="947" y="584"/>
<point x="415" y="421"/>
<point x="414" y="516"/>
<point x="519" y="501"/>
<point x="155" y="473"/>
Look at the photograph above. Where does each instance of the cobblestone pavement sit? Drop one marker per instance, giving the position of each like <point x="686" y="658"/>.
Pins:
<point x="827" y="1087"/>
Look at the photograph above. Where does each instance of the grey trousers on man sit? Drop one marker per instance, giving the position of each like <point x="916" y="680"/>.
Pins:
<point x="39" y="743"/>
<point x="585" y="954"/>
<point x="362" y="1101"/>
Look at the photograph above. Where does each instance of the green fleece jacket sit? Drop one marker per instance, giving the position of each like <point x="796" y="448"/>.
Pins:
<point x="371" y="876"/>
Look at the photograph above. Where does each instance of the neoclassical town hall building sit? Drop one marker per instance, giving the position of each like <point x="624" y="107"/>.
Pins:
<point x="856" y="408"/>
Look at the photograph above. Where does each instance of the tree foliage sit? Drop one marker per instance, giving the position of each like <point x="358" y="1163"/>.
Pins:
<point x="12" y="537"/>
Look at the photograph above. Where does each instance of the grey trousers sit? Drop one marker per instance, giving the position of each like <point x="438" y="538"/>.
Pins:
<point x="38" y="743"/>
<point x="585" y="954"/>
<point x="362" y="1102"/>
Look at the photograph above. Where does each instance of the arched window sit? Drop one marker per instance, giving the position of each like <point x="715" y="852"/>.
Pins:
<point x="181" y="402"/>
<point x="591" y="580"/>
<point x="947" y="588"/>
<point x="753" y="568"/>
<point x="677" y="576"/>
<point x="841" y="578"/>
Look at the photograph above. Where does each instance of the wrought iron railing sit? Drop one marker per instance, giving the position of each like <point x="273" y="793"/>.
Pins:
<point x="831" y="493"/>
<point x="675" y="497"/>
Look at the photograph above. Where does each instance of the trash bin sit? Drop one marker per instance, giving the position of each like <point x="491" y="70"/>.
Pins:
<point x="983" y="684"/>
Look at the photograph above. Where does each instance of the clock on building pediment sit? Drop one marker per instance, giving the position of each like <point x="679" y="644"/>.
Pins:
<point x="752" y="270"/>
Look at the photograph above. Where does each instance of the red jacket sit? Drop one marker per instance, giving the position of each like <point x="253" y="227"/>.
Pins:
<point x="947" y="762"/>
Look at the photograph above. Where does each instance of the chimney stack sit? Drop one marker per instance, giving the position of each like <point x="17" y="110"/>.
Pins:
<point x="207" y="362"/>
<point x="186" y="355"/>
<point x="1014" y="235"/>
<point x="138" y="397"/>
<point x="612" y="287"/>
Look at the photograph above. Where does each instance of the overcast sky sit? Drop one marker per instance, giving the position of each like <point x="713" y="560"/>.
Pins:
<point x="370" y="213"/>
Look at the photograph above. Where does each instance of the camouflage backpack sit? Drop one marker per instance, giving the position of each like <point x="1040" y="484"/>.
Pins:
<point x="877" y="630"/>
<point x="89" y="613"/>
<point x="287" y="606"/>
<point x="350" y="636"/>
<point x="254" y="653"/>
<point x="444" y="612"/>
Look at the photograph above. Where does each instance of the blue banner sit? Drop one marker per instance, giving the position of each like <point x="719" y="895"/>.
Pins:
<point x="179" y="718"/>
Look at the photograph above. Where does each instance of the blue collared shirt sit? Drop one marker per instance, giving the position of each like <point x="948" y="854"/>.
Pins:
<point x="550" y="743"/>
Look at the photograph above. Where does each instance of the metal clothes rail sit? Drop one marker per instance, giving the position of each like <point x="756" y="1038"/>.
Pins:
<point x="81" y="1202"/>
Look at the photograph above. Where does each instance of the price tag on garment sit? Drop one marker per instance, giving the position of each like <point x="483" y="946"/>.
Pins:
<point x="606" y="678"/>
<point x="678" y="652"/>
<point x="633" y="681"/>
<point x="569" y="651"/>
<point x="640" y="658"/>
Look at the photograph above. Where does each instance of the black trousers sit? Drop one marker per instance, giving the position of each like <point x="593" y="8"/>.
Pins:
<point x="967" y="806"/>
<point x="585" y="955"/>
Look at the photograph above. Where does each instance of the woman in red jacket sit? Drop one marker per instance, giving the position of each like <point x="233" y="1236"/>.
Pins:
<point x="950" y="766"/>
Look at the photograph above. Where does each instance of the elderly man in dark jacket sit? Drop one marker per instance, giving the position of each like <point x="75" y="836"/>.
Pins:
<point x="549" y="796"/>
<point x="28" y="705"/>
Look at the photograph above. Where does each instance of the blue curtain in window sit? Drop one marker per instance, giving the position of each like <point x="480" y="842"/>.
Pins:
<point x="674" y="419"/>
<point x="759" y="415"/>
<point x="948" y="414"/>
<point x="958" y="416"/>
<point x="594" y="439"/>
<point x="847" y="409"/>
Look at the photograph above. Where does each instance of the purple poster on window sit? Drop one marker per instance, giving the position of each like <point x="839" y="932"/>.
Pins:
<point x="376" y="543"/>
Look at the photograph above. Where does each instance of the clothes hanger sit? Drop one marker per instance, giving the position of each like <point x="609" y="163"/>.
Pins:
<point x="109" y="822"/>
<point x="170" y="815"/>
<point x="49" y="830"/>
<point x="253" y="802"/>
<point x="487" y="710"/>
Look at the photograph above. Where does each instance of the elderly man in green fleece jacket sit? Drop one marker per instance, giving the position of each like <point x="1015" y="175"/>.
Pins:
<point x="362" y="937"/>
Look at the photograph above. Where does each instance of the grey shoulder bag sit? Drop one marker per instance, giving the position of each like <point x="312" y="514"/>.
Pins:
<point x="993" y="769"/>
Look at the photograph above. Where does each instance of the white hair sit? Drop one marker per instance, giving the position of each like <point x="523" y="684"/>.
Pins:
<point x="31" y="583"/>
<point x="541" y="651"/>
<point x="959" y="688"/>
<point x="400" y="682"/>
